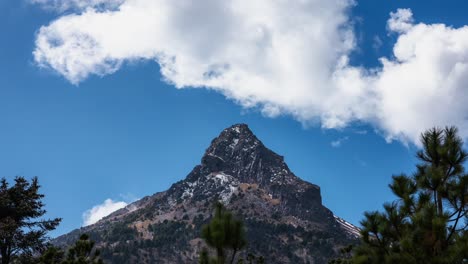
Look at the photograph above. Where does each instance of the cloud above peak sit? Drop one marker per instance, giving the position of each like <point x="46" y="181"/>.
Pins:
<point x="283" y="57"/>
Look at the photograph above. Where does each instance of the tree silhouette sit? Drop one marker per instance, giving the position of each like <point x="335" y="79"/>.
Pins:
<point x="428" y="222"/>
<point x="82" y="252"/>
<point x="21" y="230"/>
<point x="224" y="233"/>
<point x="53" y="255"/>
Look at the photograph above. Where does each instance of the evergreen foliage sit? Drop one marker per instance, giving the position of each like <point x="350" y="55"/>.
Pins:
<point x="22" y="232"/>
<point x="53" y="255"/>
<point x="345" y="256"/>
<point x="224" y="233"/>
<point x="428" y="222"/>
<point x="80" y="253"/>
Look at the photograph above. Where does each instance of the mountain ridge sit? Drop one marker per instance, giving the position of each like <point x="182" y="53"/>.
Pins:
<point x="252" y="181"/>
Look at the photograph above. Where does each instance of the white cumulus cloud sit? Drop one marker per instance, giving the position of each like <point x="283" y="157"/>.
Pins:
<point x="400" y="21"/>
<point x="426" y="84"/>
<point x="99" y="211"/>
<point x="284" y="57"/>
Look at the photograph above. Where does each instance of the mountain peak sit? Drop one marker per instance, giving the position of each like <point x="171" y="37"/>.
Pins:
<point x="238" y="153"/>
<point x="232" y="137"/>
<point x="249" y="179"/>
<point x="239" y="128"/>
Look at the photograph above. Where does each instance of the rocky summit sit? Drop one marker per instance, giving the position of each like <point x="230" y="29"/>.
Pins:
<point x="285" y="219"/>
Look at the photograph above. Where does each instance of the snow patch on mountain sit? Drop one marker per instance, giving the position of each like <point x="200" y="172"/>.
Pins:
<point x="348" y="227"/>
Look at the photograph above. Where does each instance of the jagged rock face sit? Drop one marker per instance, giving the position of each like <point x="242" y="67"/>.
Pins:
<point x="252" y="181"/>
<point x="239" y="153"/>
<point x="237" y="156"/>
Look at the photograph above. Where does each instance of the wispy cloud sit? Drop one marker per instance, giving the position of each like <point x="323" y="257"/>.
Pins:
<point x="377" y="43"/>
<point x="128" y="197"/>
<point x="360" y="132"/>
<point x="361" y="162"/>
<point x="77" y="5"/>
<point x="337" y="143"/>
<point x="99" y="211"/>
<point x="261" y="58"/>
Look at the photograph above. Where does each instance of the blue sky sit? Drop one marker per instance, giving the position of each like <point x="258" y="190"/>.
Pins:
<point x="126" y="132"/>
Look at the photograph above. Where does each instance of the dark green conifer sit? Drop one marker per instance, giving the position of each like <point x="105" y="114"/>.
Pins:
<point x="428" y="222"/>
<point x="204" y="257"/>
<point x="82" y="252"/>
<point x="224" y="234"/>
<point x="53" y="255"/>
<point x="22" y="232"/>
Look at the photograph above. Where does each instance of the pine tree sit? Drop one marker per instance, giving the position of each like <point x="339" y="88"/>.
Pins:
<point x="224" y="233"/>
<point x="53" y="255"/>
<point x="205" y="257"/>
<point x="21" y="230"/>
<point x="345" y="256"/>
<point x="428" y="222"/>
<point x="82" y="252"/>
